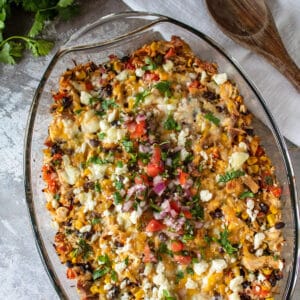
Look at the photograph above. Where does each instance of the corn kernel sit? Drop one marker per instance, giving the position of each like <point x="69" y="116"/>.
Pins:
<point x="236" y="271"/>
<point x="270" y="298"/>
<point x="221" y="289"/>
<point x="244" y="216"/>
<point x="78" y="224"/>
<point x="163" y="76"/>
<point x="253" y="169"/>
<point x="131" y="102"/>
<point x="252" y="160"/>
<point x="132" y="78"/>
<point x="80" y="75"/>
<point x="189" y="62"/>
<point x="139" y="294"/>
<point x="271" y="219"/>
<point x="153" y="46"/>
<point x="74" y="260"/>
<point x="273" y="210"/>
<point x="267" y="271"/>
<point x="94" y="289"/>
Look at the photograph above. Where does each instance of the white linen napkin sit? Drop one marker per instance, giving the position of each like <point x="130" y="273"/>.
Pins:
<point x="281" y="97"/>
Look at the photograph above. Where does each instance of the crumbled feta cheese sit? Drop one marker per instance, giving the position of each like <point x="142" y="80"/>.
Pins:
<point x="86" y="199"/>
<point x="205" y="195"/>
<point x="200" y="267"/>
<point x="168" y="66"/>
<point x="54" y="203"/>
<point x="106" y="213"/>
<point x="148" y="269"/>
<point x="261" y="277"/>
<point x="193" y="76"/>
<point x="134" y="216"/>
<point x="112" y="116"/>
<point x="85" y="228"/>
<point x="125" y="296"/>
<point x="139" y="72"/>
<point x="235" y="284"/>
<point x="280" y="265"/>
<point x="97" y="171"/>
<point x="120" y="267"/>
<point x="252" y="214"/>
<point x="104" y="126"/>
<point x="218" y="265"/>
<point x="259" y="252"/>
<point x="70" y="127"/>
<point x="183" y="154"/>
<point x="219" y="78"/>
<point x="54" y="225"/>
<point x="167" y="108"/>
<point x="121" y="170"/>
<point x="251" y="277"/>
<point x="203" y="77"/>
<point x="191" y="284"/>
<point x="85" y="97"/>
<point x="237" y="159"/>
<point x="90" y="122"/>
<point x="200" y="297"/>
<point x="107" y="286"/>
<point x="258" y="239"/>
<point x="122" y="75"/>
<point x="182" y="137"/>
<point x="70" y="173"/>
<point x="234" y="296"/>
<point x="114" y="135"/>
<point x="204" y="155"/>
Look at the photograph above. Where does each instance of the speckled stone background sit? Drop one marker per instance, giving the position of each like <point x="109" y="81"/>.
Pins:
<point x="22" y="275"/>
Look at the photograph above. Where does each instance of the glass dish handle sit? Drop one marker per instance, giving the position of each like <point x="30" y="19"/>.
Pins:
<point x="110" y="29"/>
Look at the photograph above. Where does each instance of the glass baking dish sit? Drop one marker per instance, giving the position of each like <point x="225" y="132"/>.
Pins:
<point x="120" y="34"/>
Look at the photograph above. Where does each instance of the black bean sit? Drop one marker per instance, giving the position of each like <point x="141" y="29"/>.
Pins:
<point x="245" y="284"/>
<point x="272" y="279"/>
<point x="263" y="207"/>
<point x="69" y="264"/>
<point x="55" y="149"/>
<point x="249" y="131"/>
<point x="245" y="297"/>
<point x="251" y="249"/>
<point x="66" y="102"/>
<point x="242" y="272"/>
<point x="114" y="123"/>
<point x="88" y="186"/>
<point x="94" y="142"/>
<point x="279" y="225"/>
<point x="220" y="108"/>
<point x="119" y="244"/>
<point x="163" y="237"/>
<point x="209" y="95"/>
<point x="278" y="275"/>
<point x="125" y="58"/>
<point x="108" y="89"/>
<point x="217" y="213"/>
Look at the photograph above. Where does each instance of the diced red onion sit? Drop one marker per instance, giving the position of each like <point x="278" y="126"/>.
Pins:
<point x="169" y="162"/>
<point x="135" y="188"/>
<point x="198" y="225"/>
<point x="159" y="188"/>
<point x="140" y="118"/>
<point x="144" y="149"/>
<point x="127" y="205"/>
<point x="173" y="213"/>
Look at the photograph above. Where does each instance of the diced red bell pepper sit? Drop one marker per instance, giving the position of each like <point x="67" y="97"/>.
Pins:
<point x="71" y="274"/>
<point x="88" y="86"/>
<point x="183" y="260"/>
<point x="175" y="206"/>
<point x="260" y="151"/>
<point x="176" y="246"/>
<point x="137" y="129"/>
<point x="154" y="226"/>
<point x="141" y="179"/>
<point x="187" y="214"/>
<point x="183" y="177"/>
<point x="276" y="191"/>
<point x="59" y="96"/>
<point x="171" y="52"/>
<point x="155" y="165"/>
<point x="149" y="76"/>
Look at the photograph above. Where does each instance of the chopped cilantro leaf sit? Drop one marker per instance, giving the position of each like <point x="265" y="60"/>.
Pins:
<point x="108" y="103"/>
<point x="197" y="211"/>
<point x="150" y="64"/>
<point x="209" y="116"/>
<point x="78" y="111"/>
<point x="179" y="275"/>
<point x="97" y="160"/>
<point x="97" y="187"/>
<point x="164" y="88"/>
<point x="117" y="198"/>
<point x="119" y="164"/>
<point x="231" y="175"/>
<point x="171" y="124"/>
<point x="119" y="185"/>
<point x="95" y="221"/>
<point x="189" y="270"/>
<point x="100" y="273"/>
<point x="140" y="97"/>
<point x="104" y="260"/>
<point x="126" y="261"/>
<point x="246" y="194"/>
<point x="167" y="295"/>
<point x="128" y="145"/>
<point x="225" y="243"/>
<point x="114" y="275"/>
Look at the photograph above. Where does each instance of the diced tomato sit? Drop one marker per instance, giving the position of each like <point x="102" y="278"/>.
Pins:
<point x="257" y="290"/>
<point x="183" y="260"/>
<point x="187" y="214"/>
<point x="260" y="151"/>
<point x="276" y="191"/>
<point x="175" y="206"/>
<point x="194" y="84"/>
<point x="183" y="177"/>
<point x="155" y="165"/>
<point x="171" y="52"/>
<point x="154" y="226"/>
<point x="57" y="156"/>
<point x="148" y="255"/>
<point x="176" y="246"/>
<point x="71" y="274"/>
<point x="141" y="179"/>
<point x="59" y="96"/>
<point x="148" y="76"/>
<point x="50" y="177"/>
<point x="88" y="85"/>
<point x="129" y="66"/>
<point x="137" y="129"/>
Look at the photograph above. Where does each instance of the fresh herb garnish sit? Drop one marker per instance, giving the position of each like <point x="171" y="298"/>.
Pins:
<point x="163" y="249"/>
<point x="100" y="273"/>
<point x="117" y="198"/>
<point x="104" y="260"/>
<point x="231" y="175"/>
<point x="83" y="249"/>
<point x="128" y="145"/>
<point x="97" y="187"/>
<point x="189" y="270"/>
<point x="225" y="243"/>
<point x="189" y="232"/>
<point x="167" y="295"/>
<point x="179" y="275"/>
<point x="140" y="97"/>
<point x="95" y="221"/>
<point x="209" y="116"/>
<point x="114" y="275"/>
<point x="78" y="111"/>
<point x="119" y="164"/>
<point x="164" y="88"/>
<point x="108" y="103"/>
<point x="246" y="194"/>
<point x="101" y="135"/>
<point x="155" y="207"/>
<point x="150" y="64"/>
<point x="119" y="185"/>
<point x="197" y="211"/>
<point x="97" y="160"/>
<point x="171" y="124"/>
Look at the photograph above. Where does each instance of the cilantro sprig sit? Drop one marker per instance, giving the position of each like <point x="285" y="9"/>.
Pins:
<point x="225" y="243"/>
<point x="210" y="117"/>
<point x="230" y="175"/>
<point x="150" y="64"/>
<point x="164" y="88"/>
<point x="12" y="47"/>
<point x="171" y="124"/>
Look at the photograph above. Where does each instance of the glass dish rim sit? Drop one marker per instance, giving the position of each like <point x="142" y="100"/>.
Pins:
<point x="160" y="18"/>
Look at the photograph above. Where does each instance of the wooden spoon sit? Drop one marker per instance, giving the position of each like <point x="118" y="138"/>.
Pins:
<point x="250" y="23"/>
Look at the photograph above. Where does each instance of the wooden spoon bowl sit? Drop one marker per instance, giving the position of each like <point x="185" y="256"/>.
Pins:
<point x="250" y="23"/>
